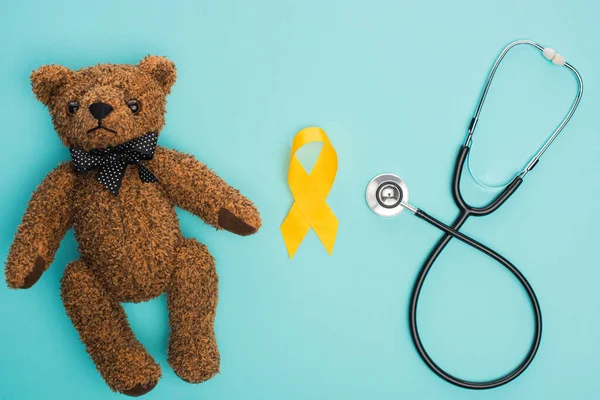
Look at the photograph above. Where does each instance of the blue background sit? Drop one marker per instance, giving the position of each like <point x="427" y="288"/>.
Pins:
<point x="394" y="84"/>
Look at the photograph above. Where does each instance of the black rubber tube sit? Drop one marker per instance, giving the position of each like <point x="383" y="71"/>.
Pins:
<point x="465" y="212"/>
<point x="453" y="232"/>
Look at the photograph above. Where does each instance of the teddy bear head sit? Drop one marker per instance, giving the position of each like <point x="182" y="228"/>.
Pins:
<point x="105" y="105"/>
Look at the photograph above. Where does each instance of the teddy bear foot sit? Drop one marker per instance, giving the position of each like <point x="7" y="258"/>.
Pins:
<point x="144" y="386"/>
<point x="196" y="375"/>
<point x="195" y="365"/>
<point x="139" y="390"/>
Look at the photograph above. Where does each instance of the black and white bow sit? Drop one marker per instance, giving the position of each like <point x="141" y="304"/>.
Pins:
<point x="112" y="162"/>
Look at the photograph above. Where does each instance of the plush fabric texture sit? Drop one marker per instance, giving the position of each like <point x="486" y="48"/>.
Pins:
<point x="131" y="246"/>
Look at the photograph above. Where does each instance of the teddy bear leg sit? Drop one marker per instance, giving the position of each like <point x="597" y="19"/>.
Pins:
<point x="104" y="330"/>
<point x="192" y="301"/>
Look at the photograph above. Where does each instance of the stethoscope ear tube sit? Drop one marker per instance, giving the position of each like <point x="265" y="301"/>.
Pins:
<point x="493" y="205"/>
<point x="555" y="58"/>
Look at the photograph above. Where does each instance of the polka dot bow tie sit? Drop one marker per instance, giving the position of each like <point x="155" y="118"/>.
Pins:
<point x="112" y="162"/>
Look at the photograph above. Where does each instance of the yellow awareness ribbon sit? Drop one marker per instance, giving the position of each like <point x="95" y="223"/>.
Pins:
<point x="310" y="191"/>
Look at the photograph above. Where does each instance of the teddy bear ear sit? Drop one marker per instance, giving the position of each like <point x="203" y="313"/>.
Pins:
<point x="47" y="80"/>
<point x="162" y="70"/>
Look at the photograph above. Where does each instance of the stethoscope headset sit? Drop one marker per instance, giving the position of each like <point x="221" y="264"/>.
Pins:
<point x="387" y="195"/>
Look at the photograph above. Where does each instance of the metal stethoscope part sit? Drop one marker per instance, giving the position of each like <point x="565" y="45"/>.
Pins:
<point x="387" y="195"/>
<point x="535" y="158"/>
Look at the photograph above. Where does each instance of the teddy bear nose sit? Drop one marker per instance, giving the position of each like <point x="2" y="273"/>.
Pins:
<point x="100" y="110"/>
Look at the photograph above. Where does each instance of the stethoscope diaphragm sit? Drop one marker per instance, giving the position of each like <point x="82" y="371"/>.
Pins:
<point x="385" y="195"/>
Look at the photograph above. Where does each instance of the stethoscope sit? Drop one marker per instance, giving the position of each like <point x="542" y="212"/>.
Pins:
<point x="387" y="195"/>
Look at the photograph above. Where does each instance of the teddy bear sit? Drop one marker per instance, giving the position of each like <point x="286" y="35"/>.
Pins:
<point x="119" y="193"/>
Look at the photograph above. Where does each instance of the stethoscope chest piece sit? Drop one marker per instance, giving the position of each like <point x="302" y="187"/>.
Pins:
<point x="385" y="195"/>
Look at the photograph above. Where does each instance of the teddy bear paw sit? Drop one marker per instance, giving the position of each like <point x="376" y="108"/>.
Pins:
<point x="195" y="364"/>
<point x="35" y="275"/>
<point x="133" y="373"/>
<point x="17" y="279"/>
<point x="140" y="389"/>
<point x="232" y="223"/>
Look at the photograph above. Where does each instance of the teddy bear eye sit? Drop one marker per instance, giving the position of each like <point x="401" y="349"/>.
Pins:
<point x="72" y="107"/>
<point x="134" y="106"/>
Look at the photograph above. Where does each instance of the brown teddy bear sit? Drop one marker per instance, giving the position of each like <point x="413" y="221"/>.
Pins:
<point x="119" y="193"/>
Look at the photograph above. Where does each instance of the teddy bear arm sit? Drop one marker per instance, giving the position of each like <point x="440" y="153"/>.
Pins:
<point x="46" y="221"/>
<point x="194" y="187"/>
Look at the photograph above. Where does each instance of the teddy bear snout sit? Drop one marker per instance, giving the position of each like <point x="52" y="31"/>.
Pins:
<point x="100" y="110"/>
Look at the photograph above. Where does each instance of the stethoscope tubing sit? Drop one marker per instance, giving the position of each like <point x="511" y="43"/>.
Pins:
<point x="453" y="232"/>
<point x="467" y="211"/>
